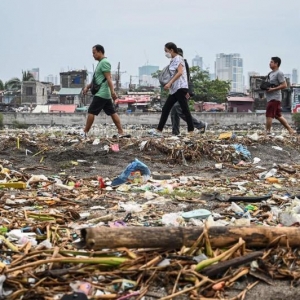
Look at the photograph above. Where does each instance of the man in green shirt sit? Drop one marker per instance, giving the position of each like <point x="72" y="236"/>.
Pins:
<point x="103" y="98"/>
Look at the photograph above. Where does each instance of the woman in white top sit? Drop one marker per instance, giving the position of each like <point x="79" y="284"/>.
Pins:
<point x="178" y="89"/>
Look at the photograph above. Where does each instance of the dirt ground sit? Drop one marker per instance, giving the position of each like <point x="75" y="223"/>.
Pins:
<point x="58" y="153"/>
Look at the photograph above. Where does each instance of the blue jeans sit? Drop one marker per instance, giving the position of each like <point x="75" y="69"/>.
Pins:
<point x="176" y="114"/>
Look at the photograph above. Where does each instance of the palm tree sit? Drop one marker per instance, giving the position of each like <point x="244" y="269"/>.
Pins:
<point x="13" y="84"/>
<point x="27" y="76"/>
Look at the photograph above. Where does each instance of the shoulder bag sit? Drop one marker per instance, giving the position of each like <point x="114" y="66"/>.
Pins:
<point x="96" y="87"/>
<point x="165" y="76"/>
<point x="265" y="84"/>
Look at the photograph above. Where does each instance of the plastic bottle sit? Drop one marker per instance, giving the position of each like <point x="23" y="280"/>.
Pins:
<point x="235" y="208"/>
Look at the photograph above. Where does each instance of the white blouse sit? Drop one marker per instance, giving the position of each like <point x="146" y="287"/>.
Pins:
<point x="181" y="82"/>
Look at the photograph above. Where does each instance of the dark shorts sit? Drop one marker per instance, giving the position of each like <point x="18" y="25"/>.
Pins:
<point x="98" y="104"/>
<point x="273" y="109"/>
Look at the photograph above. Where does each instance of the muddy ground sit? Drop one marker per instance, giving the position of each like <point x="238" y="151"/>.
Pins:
<point x="58" y="153"/>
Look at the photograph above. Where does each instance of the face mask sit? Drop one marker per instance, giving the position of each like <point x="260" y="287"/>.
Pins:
<point x="168" y="55"/>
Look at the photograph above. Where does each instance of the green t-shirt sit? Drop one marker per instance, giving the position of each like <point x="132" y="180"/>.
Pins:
<point x="103" y="66"/>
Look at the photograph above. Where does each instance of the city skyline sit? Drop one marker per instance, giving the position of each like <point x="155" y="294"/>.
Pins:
<point x="131" y="33"/>
<point x="144" y="78"/>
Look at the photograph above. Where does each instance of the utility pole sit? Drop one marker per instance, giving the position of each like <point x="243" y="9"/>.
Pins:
<point x="118" y="77"/>
<point x="130" y="82"/>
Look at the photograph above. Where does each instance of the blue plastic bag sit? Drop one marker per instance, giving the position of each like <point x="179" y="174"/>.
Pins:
<point x="136" y="165"/>
<point x="240" y="149"/>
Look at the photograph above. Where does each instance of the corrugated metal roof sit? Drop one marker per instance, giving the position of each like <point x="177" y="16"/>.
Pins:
<point x="68" y="108"/>
<point x="70" y="91"/>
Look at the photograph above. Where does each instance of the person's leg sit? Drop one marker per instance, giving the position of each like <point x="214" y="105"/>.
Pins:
<point x="281" y="119"/>
<point x="268" y="124"/>
<point x="89" y="123"/>
<point x="176" y="110"/>
<point x="180" y="96"/>
<point x="270" y="114"/>
<point x="116" y="119"/>
<point x="166" y="111"/>
<point x="284" y="122"/>
<point x="197" y="124"/>
<point x="94" y="110"/>
<point x="110" y="111"/>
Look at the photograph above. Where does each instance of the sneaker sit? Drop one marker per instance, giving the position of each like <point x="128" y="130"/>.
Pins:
<point x="204" y="128"/>
<point x="82" y="134"/>
<point x="176" y="134"/>
<point x="270" y="134"/>
<point x="154" y="132"/>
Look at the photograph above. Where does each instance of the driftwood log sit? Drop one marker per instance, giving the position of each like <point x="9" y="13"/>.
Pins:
<point x="98" y="238"/>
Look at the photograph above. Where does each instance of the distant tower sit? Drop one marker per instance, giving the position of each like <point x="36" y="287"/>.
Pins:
<point x="197" y="61"/>
<point x="35" y="73"/>
<point x="49" y="78"/>
<point x="294" y="76"/>
<point x="230" y="67"/>
<point x="145" y="75"/>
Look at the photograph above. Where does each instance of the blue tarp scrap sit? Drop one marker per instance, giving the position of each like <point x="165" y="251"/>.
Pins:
<point x="240" y="149"/>
<point x="136" y="165"/>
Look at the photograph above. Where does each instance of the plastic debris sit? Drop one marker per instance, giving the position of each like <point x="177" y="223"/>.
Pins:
<point x="240" y="149"/>
<point x="196" y="214"/>
<point x="135" y="166"/>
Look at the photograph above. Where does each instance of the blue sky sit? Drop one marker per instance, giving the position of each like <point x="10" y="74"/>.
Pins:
<point x="58" y="35"/>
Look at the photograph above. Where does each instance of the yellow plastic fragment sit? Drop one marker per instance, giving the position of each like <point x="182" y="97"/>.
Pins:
<point x="14" y="185"/>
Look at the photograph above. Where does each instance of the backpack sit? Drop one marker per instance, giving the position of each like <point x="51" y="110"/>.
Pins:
<point x="190" y="83"/>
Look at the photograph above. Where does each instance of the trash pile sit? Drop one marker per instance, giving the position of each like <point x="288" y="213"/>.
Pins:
<point x="154" y="229"/>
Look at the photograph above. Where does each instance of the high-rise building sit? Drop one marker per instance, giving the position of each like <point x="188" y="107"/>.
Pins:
<point x="230" y="67"/>
<point x="294" y="76"/>
<point x="35" y="73"/>
<point x="145" y="75"/>
<point x="197" y="61"/>
<point x="51" y="78"/>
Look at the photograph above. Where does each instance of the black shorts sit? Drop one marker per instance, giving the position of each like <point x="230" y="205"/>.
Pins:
<point x="98" y="104"/>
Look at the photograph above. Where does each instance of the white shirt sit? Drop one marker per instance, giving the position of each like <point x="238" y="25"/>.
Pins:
<point x="181" y="82"/>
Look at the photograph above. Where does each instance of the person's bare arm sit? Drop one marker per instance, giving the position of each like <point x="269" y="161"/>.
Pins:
<point x="111" y="85"/>
<point x="86" y="88"/>
<point x="282" y="86"/>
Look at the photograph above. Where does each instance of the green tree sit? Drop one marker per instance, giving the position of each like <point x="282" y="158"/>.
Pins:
<point x="27" y="76"/>
<point x="218" y="89"/>
<point x="156" y="74"/>
<point x="205" y="89"/>
<point x="208" y="90"/>
<point x="13" y="84"/>
<point x="1" y="85"/>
